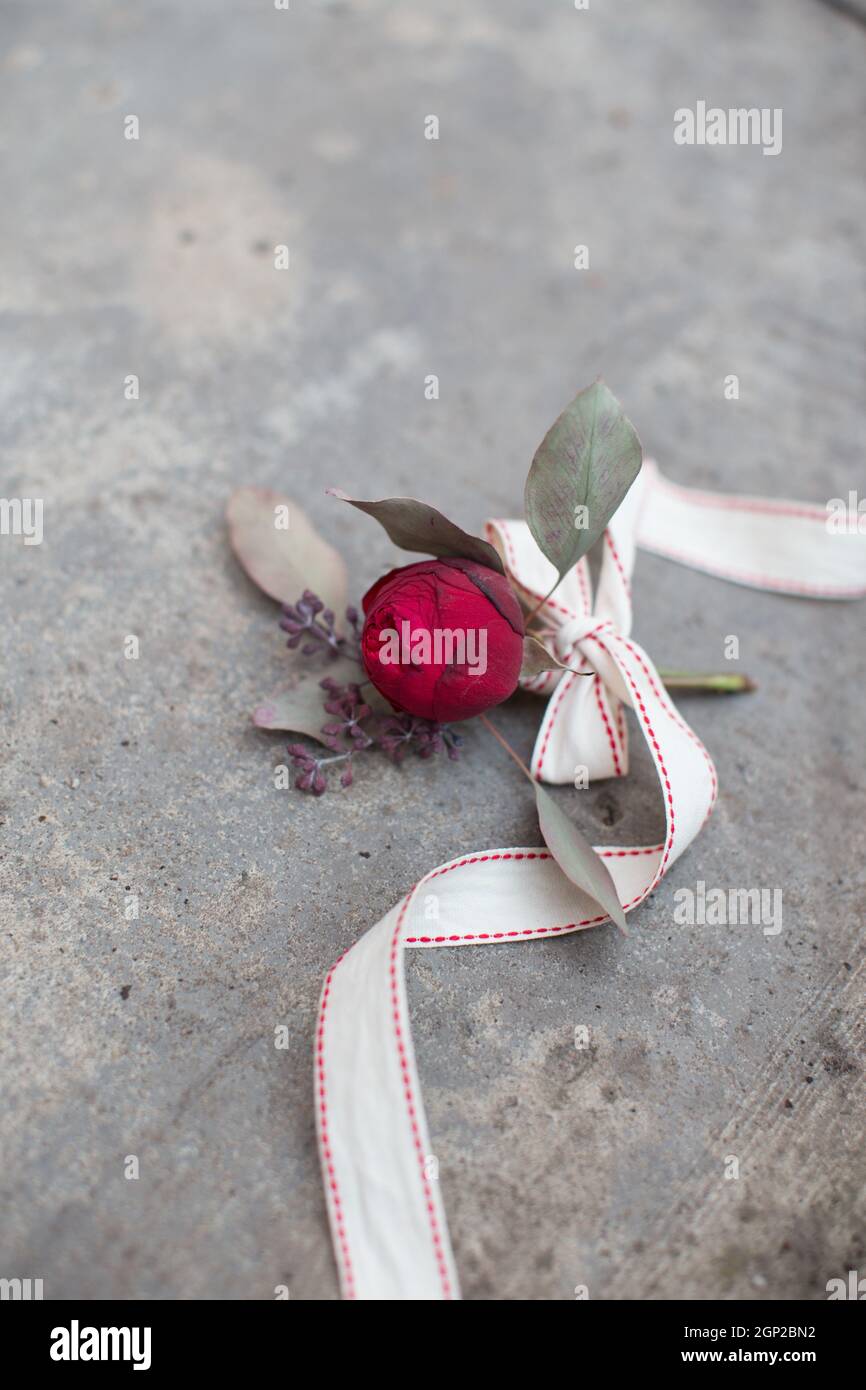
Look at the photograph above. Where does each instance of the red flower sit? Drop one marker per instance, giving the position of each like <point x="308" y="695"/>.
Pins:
<point x="443" y="639"/>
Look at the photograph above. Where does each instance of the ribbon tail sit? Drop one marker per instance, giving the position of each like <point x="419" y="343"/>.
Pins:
<point x="381" y="1177"/>
<point x="380" y="1172"/>
<point x="788" y="547"/>
<point x="386" y="1214"/>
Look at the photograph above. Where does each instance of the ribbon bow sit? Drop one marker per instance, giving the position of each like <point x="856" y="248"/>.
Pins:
<point x="386" y="1213"/>
<point x="583" y="727"/>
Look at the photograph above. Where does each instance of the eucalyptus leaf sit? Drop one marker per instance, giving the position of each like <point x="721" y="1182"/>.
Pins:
<point x="282" y="551"/>
<point x="576" y="856"/>
<point x="299" y="705"/>
<point x="416" y="526"/>
<point x="582" y="470"/>
<point x="536" y="659"/>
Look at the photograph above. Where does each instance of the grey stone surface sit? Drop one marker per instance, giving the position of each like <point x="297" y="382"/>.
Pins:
<point x="411" y="257"/>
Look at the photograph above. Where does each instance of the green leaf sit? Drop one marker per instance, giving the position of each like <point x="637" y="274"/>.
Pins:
<point x="536" y="658"/>
<point x="576" y="856"/>
<point x="299" y="705"/>
<point x="414" y="525"/>
<point x="284" y="560"/>
<point x="588" y="460"/>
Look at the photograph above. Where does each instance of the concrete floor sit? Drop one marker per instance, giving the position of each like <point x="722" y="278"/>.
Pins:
<point x="154" y="257"/>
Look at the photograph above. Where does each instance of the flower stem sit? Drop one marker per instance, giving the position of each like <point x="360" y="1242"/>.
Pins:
<point x="507" y="746"/>
<point x="693" y="682"/>
<point x="540" y="604"/>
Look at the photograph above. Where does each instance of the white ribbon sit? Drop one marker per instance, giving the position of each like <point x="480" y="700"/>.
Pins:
<point x="387" y="1218"/>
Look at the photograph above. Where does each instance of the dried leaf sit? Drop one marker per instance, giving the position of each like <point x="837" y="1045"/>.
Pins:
<point x="536" y="659"/>
<point x="300" y="704"/>
<point x="284" y="561"/>
<point x="415" y="526"/>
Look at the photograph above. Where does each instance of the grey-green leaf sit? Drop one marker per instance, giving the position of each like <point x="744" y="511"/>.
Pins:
<point x="414" y="525"/>
<point x="582" y="470"/>
<point x="576" y="856"/>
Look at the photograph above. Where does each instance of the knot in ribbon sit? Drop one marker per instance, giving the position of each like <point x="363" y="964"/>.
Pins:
<point x="568" y="638"/>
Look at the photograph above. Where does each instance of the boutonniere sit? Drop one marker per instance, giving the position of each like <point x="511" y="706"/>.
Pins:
<point x="544" y="603"/>
<point x="444" y="639"/>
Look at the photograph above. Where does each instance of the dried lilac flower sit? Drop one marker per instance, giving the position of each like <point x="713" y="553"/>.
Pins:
<point x="356" y="623"/>
<point x="309" y="776"/>
<point x="353" y="726"/>
<point x="402" y="732"/>
<point x="310" y="623"/>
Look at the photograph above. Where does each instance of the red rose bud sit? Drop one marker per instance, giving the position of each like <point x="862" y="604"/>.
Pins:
<point x="443" y="639"/>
